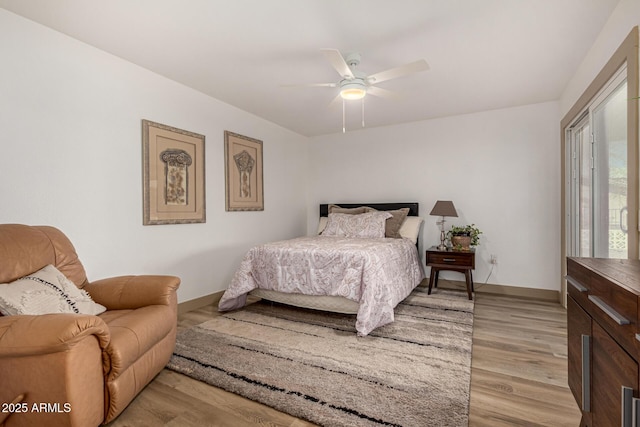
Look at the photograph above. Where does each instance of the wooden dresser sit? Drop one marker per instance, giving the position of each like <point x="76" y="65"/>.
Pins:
<point x="604" y="339"/>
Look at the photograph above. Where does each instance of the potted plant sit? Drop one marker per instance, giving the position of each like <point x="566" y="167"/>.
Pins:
<point x="463" y="237"/>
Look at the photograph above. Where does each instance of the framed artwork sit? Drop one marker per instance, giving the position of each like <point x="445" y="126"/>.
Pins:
<point x="243" y="173"/>
<point x="173" y="175"/>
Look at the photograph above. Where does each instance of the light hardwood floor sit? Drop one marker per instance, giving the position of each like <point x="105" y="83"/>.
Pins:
<point x="518" y="376"/>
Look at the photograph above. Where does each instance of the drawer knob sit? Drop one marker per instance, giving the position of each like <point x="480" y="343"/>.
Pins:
<point x="617" y="317"/>
<point x="579" y="287"/>
<point x="586" y="373"/>
<point x="627" y="406"/>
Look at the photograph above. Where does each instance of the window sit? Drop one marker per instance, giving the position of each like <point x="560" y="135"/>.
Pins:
<point x="596" y="147"/>
<point x="600" y="164"/>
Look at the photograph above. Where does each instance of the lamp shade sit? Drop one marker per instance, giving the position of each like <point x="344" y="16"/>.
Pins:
<point x="444" y="208"/>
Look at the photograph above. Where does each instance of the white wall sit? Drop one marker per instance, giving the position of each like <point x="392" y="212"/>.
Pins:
<point x="70" y="144"/>
<point x="500" y="168"/>
<point x="70" y="135"/>
<point x="625" y="16"/>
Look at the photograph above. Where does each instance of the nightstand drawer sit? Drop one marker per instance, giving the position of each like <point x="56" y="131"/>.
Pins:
<point x="460" y="259"/>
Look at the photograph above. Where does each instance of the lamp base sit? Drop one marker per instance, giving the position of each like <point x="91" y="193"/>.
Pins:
<point x="442" y="246"/>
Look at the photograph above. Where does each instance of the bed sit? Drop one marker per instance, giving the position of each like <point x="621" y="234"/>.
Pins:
<point x="351" y="266"/>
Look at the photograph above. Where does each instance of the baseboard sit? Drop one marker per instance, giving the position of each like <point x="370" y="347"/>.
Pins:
<point x="196" y="303"/>
<point x="488" y="288"/>
<point x="513" y="291"/>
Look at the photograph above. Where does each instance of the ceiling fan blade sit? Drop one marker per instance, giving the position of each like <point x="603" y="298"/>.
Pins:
<point x="335" y="101"/>
<point x="401" y="71"/>
<point x="383" y="93"/>
<point x="337" y="61"/>
<point x="311" y="85"/>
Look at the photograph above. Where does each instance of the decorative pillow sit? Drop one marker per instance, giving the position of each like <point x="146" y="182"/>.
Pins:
<point x="395" y="222"/>
<point x="411" y="228"/>
<point x="369" y="225"/>
<point x="350" y="211"/>
<point x="43" y="292"/>
<point x="392" y="228"/>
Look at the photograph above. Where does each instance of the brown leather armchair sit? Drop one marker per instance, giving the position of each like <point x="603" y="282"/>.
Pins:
<point x="75" y="369"/>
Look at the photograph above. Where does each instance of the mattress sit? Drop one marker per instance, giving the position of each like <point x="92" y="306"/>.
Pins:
<point x="316" y="302"/>
<point x="372" y="274"/>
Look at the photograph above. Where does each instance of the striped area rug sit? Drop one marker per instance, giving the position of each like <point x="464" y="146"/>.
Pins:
<point x="413" y="372"/>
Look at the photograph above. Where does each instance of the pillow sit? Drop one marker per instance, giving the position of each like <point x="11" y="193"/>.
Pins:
<point x="350" y="211"/>
<point x="43" y="292"/>
<point x="322" y="224"/>
<point x="368" y="225"/>
<point x="411" y="228"/>
<point x="394" y="223"/>
<point x="392" y="226"/>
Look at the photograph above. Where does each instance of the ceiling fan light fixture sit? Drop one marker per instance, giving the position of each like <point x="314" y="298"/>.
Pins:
<point x="354" y="90"/>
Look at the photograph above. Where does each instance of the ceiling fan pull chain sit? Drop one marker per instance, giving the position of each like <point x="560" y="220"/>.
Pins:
<point x="343" y="126"/>
<point x="362" y="112"/>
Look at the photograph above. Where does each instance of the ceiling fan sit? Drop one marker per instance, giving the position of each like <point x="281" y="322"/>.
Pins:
<point x="354" y="84"/>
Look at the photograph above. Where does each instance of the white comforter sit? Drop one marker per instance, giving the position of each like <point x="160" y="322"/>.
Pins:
<point x="376" y="273"/>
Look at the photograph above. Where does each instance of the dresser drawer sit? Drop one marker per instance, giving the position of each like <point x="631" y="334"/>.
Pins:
<point x="616" y="310"/>
<point x="614" y="307"/>
<point x="578" y="282"/>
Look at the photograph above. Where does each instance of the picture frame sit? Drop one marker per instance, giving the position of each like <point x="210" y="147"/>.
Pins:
<point x="244" y="186"/>
<point x="173" y="165"/>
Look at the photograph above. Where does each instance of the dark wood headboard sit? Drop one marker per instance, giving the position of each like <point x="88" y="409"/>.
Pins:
<point x="413" y="207"/>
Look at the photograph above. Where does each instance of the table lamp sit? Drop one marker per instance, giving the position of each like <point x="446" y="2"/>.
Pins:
<point x="443" y="208"/>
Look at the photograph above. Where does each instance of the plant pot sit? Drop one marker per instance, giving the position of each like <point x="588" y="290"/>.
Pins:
<point x="461" y="242"/>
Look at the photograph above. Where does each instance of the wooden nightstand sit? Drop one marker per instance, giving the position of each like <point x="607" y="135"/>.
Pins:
<point x="460" y="261"/>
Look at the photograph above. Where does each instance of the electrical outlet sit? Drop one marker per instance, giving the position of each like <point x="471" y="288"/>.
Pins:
<point x="494" y="259"/>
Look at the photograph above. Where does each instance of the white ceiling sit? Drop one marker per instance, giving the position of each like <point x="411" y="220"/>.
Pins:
<point x="483" y="54"/>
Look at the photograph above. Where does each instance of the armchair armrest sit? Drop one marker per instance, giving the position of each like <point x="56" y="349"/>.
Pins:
<point x="48" y="333"/>
<point x="131" y="292"/>
<point x="54" y="358"/>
